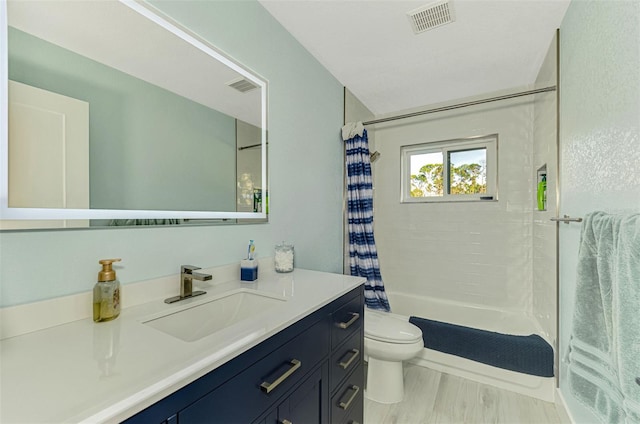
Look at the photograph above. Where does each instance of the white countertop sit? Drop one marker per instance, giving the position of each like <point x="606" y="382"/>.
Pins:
<point x="106" y="372"/>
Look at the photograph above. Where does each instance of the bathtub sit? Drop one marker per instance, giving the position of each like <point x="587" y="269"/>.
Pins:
<point x="406" y="305"/>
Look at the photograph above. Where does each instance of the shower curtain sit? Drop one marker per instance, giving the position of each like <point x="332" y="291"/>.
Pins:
<point x="363" y="256"/>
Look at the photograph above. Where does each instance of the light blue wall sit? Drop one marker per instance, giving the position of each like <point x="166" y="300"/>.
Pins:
<point x="305" y="171"/>
<point x="599" y="135"/>
<point x="144" y="141"/>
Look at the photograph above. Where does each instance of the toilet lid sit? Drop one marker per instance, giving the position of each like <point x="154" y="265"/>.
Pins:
<point x="387" y="328"/>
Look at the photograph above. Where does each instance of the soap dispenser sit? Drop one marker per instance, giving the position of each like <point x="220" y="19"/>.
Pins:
<point x="106" y="293"/>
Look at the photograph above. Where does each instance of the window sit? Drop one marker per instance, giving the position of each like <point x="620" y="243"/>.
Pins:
<point x="454" y="170"/>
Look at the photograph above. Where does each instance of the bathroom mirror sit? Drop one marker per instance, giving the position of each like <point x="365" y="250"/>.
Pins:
<point x="118" y="115"/>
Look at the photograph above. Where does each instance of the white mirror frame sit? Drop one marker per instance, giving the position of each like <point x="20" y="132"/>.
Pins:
<point x="148" y="12"/>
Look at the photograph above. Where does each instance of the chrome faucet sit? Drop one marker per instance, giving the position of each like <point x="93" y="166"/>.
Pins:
<point x="186" y="283"/>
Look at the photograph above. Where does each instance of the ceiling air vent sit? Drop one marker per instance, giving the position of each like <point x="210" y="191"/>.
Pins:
<point x="431" y="16"/>
<point x="242" y="85"/>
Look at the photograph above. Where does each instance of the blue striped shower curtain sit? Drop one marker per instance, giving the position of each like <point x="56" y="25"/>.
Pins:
<point x="363" y="256"/>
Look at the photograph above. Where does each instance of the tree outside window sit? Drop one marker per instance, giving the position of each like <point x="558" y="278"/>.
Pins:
<point x="455" y="170"/>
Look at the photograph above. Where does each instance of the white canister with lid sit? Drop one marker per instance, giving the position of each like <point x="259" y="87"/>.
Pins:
<point x="284" y="257"/>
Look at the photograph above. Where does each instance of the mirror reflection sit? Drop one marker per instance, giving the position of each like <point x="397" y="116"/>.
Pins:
<point x="108" y="110"/>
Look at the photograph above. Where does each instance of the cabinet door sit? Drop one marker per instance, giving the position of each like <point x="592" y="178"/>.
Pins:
<point x="304" y="405"/>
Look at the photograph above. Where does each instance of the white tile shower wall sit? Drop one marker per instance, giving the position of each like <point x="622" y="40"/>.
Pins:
<point x="475" y="252"/>
<point x="545" y="153"/>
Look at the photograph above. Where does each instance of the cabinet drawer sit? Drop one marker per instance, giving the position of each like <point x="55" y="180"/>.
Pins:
<point x="357" y="415"/>
<point x="346" y="320"/>
<point x="345" y="359"/>
<point x="250" y="393"/>
<point x="348" y="402"/>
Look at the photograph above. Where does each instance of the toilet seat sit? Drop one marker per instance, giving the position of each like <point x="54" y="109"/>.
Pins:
<point x="386" y="328"/>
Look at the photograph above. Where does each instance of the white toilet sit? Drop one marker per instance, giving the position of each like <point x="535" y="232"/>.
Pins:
<point x="388" y="340"/>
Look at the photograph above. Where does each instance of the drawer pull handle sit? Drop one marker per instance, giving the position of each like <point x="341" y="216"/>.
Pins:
<point x="354" y="354"/>
<point x="285" y="422"/>
<point x="345" y="405"/>
<point x="354" y="318"/>
<point x="268" y="387"/>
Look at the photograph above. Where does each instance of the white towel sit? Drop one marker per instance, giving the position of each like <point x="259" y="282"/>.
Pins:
<point x="605" y="342"/>
<point x="351" y="129"/>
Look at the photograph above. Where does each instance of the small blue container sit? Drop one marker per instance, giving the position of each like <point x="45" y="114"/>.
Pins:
<point x="248" y="270"/>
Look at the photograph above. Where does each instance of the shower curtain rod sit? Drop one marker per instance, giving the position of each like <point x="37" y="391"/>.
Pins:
<point x="460" y="105"/>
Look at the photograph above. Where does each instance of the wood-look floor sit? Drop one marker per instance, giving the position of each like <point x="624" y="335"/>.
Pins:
<point x="434" y="397"/>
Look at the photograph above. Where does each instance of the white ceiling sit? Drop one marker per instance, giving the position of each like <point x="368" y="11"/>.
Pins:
<point x="370" y="48"/>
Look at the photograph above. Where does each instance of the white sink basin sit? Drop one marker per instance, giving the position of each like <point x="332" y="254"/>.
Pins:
<point x="197" y="321"/>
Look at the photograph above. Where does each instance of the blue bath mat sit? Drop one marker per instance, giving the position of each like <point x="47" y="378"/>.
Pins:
<point x="526" y="354"/>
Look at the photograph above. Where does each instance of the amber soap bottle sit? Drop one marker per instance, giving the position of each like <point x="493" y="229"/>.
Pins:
<point x="106" y="293"/>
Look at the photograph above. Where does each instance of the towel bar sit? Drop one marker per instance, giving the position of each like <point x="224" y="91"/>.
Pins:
<point x="567" y="219"/>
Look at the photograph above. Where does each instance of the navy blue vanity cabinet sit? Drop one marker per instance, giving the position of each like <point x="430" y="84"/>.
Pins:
<point x="346" y="369"/>
<point x="345" y="358"/>
<point x="307" y="404"/>
<point x="347" y="402"/>
<point x="347" y="318"/>
<point x="243" y="398"/>
<point x="289" y="377"/>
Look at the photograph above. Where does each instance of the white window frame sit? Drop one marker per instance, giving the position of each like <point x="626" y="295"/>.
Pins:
<point x="489" y="142"/>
